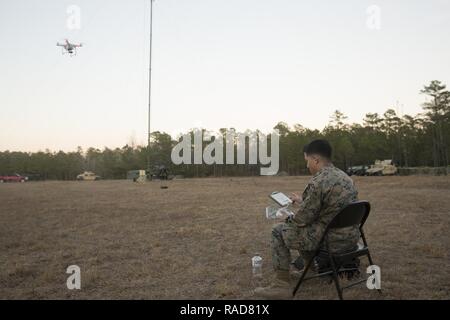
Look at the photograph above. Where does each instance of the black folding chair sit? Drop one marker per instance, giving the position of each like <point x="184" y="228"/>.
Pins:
<point x="355" y="213"/>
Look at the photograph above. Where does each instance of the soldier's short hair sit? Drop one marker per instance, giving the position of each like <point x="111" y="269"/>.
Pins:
<point x="319" y="147"/>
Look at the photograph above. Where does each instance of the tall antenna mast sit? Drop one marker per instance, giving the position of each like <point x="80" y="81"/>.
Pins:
<point x="149" y="88"/>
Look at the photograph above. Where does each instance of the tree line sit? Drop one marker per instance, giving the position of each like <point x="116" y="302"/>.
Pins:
<point x="409" y="140"/>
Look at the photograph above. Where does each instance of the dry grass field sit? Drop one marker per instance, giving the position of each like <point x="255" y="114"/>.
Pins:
<point x="195" y="239"/>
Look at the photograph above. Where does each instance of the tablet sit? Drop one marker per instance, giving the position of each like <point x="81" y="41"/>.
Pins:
<point x="280" y="198"/>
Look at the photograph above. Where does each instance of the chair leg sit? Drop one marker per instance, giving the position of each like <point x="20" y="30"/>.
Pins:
<point x="365" y="244"/>
<point x="305" y="270"/>
<point x="336" y="278"/>
<point x="370" y="258"/>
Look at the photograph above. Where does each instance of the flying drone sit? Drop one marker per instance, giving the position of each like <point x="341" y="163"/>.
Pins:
<point x="70" y="48"/>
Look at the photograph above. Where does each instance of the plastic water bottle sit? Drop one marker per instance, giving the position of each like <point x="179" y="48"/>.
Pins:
<point x="257" y="266"/>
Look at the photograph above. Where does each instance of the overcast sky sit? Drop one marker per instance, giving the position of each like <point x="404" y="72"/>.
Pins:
<point x="235" y="63"/>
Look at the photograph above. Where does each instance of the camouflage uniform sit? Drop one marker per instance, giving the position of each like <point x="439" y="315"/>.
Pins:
<point x="327" y="193"/>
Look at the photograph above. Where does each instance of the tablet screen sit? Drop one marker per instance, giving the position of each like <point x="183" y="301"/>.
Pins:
<point x="280" y="198"/>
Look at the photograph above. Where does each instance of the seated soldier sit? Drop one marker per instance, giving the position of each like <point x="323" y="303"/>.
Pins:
<point x="328" y="191"/>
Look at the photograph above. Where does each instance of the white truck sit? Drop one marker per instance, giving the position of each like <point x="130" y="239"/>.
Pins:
<point x="87" y="176"/>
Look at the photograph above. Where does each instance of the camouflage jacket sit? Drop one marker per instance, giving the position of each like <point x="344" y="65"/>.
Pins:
<point x="326" y="194"/>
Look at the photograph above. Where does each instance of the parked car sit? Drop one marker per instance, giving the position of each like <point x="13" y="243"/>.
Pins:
<point x="13" y="178"/>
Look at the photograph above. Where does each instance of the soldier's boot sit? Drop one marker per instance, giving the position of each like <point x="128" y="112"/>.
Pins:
<point x="279" y="289"/>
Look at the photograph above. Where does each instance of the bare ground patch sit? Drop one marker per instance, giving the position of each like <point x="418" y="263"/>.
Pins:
<point x="195" y="239"/>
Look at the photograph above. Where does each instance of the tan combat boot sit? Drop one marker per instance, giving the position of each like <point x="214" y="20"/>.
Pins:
<point x="280" y="288"/>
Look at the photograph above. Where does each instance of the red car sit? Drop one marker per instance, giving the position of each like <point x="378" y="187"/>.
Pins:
<point x="13" y="178"/>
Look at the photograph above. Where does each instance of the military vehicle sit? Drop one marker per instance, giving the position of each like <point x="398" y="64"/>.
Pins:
<point x="137" y="175"/>
<point x="159" y="172"/>
<point x="357" y="170"/>
<point x="382" y="168"/>
<point x="87" y="176"/>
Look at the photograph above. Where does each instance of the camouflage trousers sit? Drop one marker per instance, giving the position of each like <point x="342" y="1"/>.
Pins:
<point x="287" y="236"/>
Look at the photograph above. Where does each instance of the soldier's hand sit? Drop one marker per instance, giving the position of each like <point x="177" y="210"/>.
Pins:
<point x="295" y="198"/>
